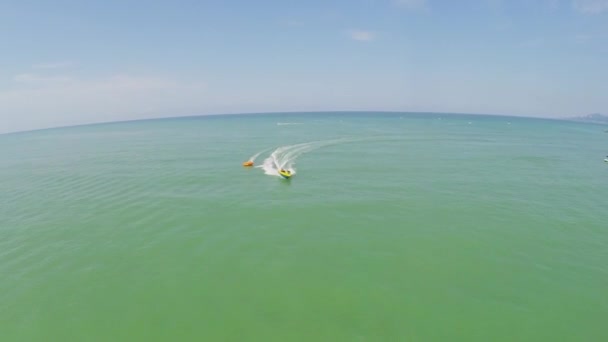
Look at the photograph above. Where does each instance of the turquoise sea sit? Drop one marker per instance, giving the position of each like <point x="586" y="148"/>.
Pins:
<point x="395" y="227"/>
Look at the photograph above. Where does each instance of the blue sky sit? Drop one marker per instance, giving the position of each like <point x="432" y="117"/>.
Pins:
<point x="72" y="62"/>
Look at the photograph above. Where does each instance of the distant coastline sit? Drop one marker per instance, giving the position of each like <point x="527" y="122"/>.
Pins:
<point x="593" y="118"/>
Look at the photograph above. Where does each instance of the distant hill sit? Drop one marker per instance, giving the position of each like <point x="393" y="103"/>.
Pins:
<point x="595" y="117"/>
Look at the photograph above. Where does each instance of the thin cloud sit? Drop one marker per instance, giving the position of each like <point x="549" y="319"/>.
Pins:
<point x="53" y="65"/>
<point x="36" y="79"/>
<point x="411" y="4"/>
<point x="590" y="6"/>
<point x="362" y="36"/>
<point x="61" y="100"/>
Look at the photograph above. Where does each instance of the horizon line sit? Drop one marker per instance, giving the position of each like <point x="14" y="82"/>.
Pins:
<point x="283" y="112"/>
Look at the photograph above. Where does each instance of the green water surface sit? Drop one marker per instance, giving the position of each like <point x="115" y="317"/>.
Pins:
<point x="420" y="227"/>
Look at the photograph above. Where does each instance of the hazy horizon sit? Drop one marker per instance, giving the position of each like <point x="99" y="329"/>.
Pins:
<point x="298" y="114"/>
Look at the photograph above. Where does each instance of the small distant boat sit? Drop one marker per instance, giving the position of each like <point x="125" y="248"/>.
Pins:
<point x="248" y="163"/>
<point x="285" y="173"/>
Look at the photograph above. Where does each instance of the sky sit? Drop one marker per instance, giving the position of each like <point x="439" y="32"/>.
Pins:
<point x="68" y="62"/>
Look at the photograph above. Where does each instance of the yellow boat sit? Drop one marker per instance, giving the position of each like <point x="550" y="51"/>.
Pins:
<point x="285" y="173"/>
<point x="248" y="163"/>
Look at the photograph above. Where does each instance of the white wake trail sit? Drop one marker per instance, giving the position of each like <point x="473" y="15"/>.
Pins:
<point x="255" y="156"/>
<point x="285" y="157"/>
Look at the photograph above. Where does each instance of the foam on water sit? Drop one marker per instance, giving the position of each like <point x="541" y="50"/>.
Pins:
<point x="285" y="157"/>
